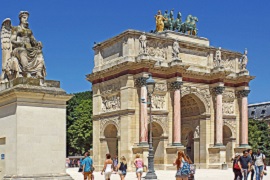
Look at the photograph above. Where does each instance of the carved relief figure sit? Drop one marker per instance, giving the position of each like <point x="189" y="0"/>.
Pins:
<point x="111" y="103"/>
<point x="158" y="102"/>
<point x="244" y="60"/>
<point x="176" y="50"/>
<point x="159" y="22"/>
<point x="26" y="57"/>
<point x="143" y="42"/>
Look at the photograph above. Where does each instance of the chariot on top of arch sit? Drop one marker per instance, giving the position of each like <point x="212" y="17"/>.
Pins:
<point x="167" y="22"/>
<point x="21" y="54"/>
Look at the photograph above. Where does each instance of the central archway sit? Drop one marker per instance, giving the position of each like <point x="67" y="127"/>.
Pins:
<point x="191" y="110"/>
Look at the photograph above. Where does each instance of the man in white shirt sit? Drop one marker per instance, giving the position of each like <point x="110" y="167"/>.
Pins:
<point x="259" y="164"/>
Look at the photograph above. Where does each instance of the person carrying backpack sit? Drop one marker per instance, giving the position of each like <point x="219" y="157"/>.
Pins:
<point x="122" y="167"/>
<point x="260" y="164"/>
<point x="183" y="167"/>
<point x="236" y="169"/>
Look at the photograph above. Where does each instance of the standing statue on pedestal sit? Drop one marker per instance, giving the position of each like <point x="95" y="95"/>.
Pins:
<point x="244" y="61"/>
<point x="159" y="22"/>
<point x="143" y="42"/>
<point x="218" y="59"/>
<point x="176" y="50"/>
<point x="21" y="54"/>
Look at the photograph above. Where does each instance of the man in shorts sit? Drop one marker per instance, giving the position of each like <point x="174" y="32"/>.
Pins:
<point x="87" y="167"/>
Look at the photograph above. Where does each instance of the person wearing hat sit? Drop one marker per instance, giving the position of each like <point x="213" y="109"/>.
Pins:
<point x="236" y="169"/>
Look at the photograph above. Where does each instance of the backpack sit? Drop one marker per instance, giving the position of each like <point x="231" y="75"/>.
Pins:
<point x="185" y="170"/>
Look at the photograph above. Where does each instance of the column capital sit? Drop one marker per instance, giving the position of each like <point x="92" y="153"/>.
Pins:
<point x="218" y="90"/>
<point x="243" y="93"/>
<point x="140" y="82"/>
<point x="176" y="85"/>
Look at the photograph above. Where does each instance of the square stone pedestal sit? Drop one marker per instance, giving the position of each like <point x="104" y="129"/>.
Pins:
<point x="33" y="126"/>
<point x="217" y="157"/>
<point x="240" y="149"/>
<point x="171" y="154"/>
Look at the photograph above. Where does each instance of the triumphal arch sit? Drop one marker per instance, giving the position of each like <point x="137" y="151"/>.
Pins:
<point x="199" y="104"/>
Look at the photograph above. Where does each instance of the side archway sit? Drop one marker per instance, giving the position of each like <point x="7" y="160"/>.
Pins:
<point x="111" y="134"/>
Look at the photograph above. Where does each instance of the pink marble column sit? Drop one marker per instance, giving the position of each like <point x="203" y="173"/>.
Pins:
<point x="177" y="113"/>
<point x="141" y="83"/>
<point x="244" y="117"/>
<point x="143" y="116"/>
<point x="219" y="116"/>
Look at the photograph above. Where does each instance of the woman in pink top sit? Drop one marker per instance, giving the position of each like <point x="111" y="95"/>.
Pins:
<point x="138" y="162"/>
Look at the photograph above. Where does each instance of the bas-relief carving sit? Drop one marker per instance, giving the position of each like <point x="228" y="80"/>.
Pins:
<point x="110" y="88"/>
<point x="110" y="120"/>
<point x="157" y="49"/>
<point x="111" y="103"/>
<point x="228" y="106"/>
<point x="161" y="87"/>
<point x="22" y="54"/>
<point x="158" y="102"/>
<point x="214" y="158"/>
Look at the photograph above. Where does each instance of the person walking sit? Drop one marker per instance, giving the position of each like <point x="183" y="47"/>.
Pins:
<point x="108" y="165"/>
<point x="115" y="163"/>
<point x="244" y="163"/>
<point x="122" y="166"/>
<point x="252" y="168"/>
<point x="236" y="169"/>
<point x="182" y="165"/>
<point x="87" y="164"/>
<point x="260" y="164"/>
<point x="138" y="162"/>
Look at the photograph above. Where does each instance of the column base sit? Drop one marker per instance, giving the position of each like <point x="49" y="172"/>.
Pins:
<point x="244" y="146"/>
<point x="178" y="144"/>
<point x="219" y="145"/>
<point x="39" y="177"/>
<point x="217" y="156"/>
<point x="143" y="144"/>
<point x="150" y="175"/>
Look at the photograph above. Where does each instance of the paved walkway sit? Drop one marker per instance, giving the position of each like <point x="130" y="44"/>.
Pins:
<point x="201" y="174"/>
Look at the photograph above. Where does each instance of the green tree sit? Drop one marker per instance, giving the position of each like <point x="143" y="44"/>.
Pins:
<point x="79" y="123"/>
<point x="259" y="136"/>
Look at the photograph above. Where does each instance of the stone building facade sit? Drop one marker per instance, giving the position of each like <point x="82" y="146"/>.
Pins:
<point x="199" y="104"/>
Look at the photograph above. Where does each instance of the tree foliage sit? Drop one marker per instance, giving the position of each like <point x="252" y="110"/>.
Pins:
<point x="259" y="136"/>
<point x="79" y="123"/>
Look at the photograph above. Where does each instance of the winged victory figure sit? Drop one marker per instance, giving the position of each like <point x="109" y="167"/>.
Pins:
<point x="21" y="54"/>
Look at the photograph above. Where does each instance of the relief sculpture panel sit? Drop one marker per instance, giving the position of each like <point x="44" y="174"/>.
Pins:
<point x="158" y="102"/>
<point x="156" y="49"/>
<point x="111" y="103"/>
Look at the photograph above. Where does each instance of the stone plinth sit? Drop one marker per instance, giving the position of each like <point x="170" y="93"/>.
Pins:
<point x="33" y="123"/>
<point x="217" y="157"/>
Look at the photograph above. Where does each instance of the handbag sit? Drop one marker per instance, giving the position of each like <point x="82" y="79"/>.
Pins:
<point x="80" y="169"/>
<point x="192" y="169"/>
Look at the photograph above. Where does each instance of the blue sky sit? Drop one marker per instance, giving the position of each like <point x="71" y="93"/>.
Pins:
<point x="68" y="28"/>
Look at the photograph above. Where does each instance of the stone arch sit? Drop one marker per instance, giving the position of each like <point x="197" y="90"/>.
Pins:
<point x="202" y="94"/>
<point x="162" y="122"/>
<point x="192" y="104"/>
<point x="109" y="121"/>
<point x="231" y="125"/>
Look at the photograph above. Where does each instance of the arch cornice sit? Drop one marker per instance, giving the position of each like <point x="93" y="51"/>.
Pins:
<point x="107" y="121"/>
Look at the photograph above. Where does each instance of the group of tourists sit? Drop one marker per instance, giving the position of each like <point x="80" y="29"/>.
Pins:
<point x="249" y="163"/>
<point x="185" y="167"/>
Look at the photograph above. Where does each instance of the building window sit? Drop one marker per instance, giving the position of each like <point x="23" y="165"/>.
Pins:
<point x="252" y="113"/>
<point x="263" y="111"/>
